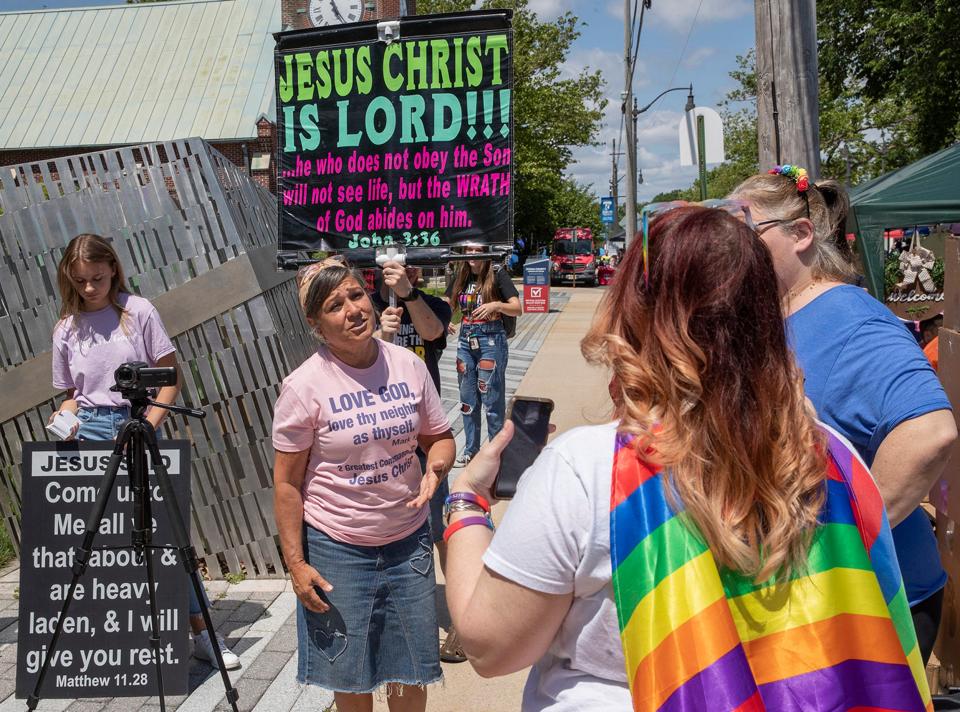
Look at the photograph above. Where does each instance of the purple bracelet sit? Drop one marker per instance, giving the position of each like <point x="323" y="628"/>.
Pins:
<point x="466" y="522"/>
<point x="469" y="497"/>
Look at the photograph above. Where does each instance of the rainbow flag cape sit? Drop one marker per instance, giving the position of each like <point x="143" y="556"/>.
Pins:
<point x="700" y="639"/>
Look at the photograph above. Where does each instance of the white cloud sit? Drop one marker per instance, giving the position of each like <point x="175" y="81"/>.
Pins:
<point x="659" y="127"/>
<point x="657" y="158"/>
<point x="698" y="56"/>
<point x="609" y="63"/>
<point x="677" y="15"/>
<point x="551" y="9"/>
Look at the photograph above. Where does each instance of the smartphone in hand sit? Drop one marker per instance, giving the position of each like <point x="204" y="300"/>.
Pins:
<point x="531" y="420"/>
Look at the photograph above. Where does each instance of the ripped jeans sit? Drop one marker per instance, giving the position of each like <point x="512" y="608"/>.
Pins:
<point x="481" y="373"/>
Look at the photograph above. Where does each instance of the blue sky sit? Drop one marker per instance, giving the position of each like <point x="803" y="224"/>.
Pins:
<point x="718" y="31"/>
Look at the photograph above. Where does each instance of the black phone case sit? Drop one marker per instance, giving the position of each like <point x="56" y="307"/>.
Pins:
<point x="522" y="450"/>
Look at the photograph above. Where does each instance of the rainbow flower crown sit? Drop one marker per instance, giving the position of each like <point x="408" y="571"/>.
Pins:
<point x="795" y="173"/>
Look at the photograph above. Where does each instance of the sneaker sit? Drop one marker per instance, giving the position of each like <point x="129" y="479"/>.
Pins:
<point x="464" y="459"/>
<point x="203" y="650"/>
<point x="450" y="651"/>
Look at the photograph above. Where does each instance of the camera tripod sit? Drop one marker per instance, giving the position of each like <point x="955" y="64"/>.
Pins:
<point x="135" y="440"/>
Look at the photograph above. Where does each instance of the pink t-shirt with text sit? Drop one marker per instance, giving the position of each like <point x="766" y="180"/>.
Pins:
<point x="88" y="347"/>
<point x="361" y="426"/>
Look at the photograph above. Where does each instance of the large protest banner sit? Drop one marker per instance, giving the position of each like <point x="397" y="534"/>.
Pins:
<point x="406" y="140"/>
<point x="104" y="649"/>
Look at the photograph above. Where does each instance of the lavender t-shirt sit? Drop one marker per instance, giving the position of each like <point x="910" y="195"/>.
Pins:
<point x="88" y="347"/>
<point x="361" y="427"/>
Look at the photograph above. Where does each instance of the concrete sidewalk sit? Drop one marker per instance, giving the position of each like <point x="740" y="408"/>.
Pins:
<point x="258" y="617"/>
<point x="579" y="393"/>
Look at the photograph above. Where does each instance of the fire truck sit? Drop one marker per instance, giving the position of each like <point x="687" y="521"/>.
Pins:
<point x="572" y="258"/>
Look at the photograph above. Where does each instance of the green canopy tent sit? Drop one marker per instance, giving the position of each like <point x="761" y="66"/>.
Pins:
<point x="923" y="193"/>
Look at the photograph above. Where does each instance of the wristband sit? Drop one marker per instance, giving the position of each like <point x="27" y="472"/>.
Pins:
<point x="469" y="497"/>
<point x="412" y="297"/>
<point x="466" y="522"/>
<point x="459" y="505"/>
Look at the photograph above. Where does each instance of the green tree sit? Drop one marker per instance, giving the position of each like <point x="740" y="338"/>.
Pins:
<point x="860" y="137"/>
<point x="553" y="113"/>
<point x="898" y="55"/>
<point x="575" y="205"/>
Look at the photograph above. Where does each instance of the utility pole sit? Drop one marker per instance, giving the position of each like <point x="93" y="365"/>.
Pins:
<point x="614" y="187"/>
<point x="628" y="123"/>
<point x="787" y="92"/>
<point x="614" y="190"/>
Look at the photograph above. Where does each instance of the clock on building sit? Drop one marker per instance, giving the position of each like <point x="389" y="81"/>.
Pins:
<point x="334" y="12"/>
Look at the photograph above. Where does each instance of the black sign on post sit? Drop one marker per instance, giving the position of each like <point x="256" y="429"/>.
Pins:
<point x="104" y="649"/>
<point x="401" y="135"/>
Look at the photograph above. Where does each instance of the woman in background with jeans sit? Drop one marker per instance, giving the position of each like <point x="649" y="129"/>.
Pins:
<point x="483" y="294"/>
<point x="102" y="325"/>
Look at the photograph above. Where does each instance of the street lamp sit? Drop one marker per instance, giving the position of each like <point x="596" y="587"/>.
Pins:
<point x="689" y="107"/>
<point x="638" y="175"/>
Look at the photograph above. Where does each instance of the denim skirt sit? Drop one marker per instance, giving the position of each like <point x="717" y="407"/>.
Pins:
<point x="382" y="624"/>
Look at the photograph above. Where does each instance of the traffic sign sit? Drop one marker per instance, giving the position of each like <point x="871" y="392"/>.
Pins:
<point x="607" y="210"/>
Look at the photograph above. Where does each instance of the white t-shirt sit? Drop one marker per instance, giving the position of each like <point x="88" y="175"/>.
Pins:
<point x="555" y="538"/>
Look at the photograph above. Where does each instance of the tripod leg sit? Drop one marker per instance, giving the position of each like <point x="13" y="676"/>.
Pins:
<point x="83" y="556"/>
<point x="143" y="538"/>
<point x="154" y="626"/>
<point x="188" y="558"/>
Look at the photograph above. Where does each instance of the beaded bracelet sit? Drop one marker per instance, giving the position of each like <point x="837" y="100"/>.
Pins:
<point x="466" y="522"/>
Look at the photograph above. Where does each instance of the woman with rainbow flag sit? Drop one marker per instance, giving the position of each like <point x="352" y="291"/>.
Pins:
<point x="713" y="549"/>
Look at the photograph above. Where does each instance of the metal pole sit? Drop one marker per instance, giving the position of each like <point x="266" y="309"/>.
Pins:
<point x="628" y="125"/>
<point x="702" y="156"/>
<point x="614" y="188"/>
<point x="634" y="114"/>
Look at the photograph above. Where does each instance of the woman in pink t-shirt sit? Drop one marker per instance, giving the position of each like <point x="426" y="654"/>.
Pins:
<point x="349" y="500"/>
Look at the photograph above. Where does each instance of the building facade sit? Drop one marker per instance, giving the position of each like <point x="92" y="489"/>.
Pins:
<point x="82" y="80"/>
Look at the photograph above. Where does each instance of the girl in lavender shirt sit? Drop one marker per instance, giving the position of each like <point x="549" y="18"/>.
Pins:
<point x="102" y="325"/>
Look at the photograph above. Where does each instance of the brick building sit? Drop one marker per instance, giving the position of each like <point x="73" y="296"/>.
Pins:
<point x="85" y="79"/>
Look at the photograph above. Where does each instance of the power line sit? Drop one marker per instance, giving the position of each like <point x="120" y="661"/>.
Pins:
<point x="684" y="50"/>
<point x="636" y="28"/>
<point x="636" y="45"/>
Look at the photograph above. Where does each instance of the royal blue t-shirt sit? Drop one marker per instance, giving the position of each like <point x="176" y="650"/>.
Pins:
<point x="865" y="375"/>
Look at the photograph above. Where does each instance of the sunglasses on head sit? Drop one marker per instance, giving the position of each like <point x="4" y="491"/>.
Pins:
<point x="739" y="209"/>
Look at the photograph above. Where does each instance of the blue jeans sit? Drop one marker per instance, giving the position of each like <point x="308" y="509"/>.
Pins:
<point x="437" y="527"/>
<point x="481" y="372"/>
<point x="103" y="423"/>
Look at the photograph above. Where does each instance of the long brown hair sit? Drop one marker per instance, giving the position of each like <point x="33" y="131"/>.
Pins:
<point x="88" y="248"/>
<point x="825" y="204"/>
<point x="484" y="279"/>
<point x="703" y="375"/>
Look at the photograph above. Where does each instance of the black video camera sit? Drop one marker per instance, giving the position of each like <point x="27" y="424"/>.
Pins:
<point x="135" y="376"/>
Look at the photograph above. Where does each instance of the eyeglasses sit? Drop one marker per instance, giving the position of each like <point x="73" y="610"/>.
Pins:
<point x="739" y="209"/>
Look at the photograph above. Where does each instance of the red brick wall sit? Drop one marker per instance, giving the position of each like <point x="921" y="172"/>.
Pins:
<point x="293" y="13"/>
